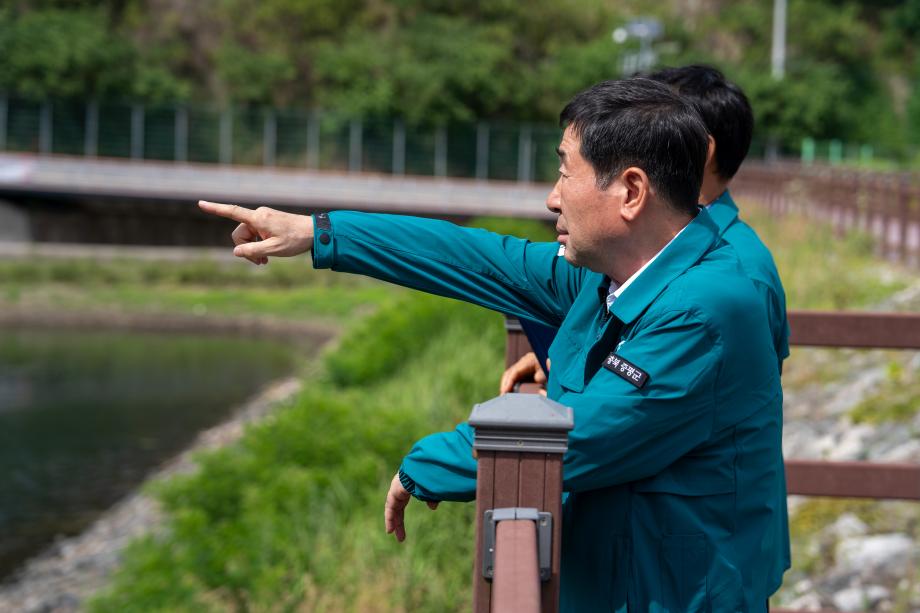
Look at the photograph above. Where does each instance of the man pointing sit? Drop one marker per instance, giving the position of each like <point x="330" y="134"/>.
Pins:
<point x="663" y="352"/>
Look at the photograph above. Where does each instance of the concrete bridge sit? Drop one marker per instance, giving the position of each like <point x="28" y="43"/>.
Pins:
<point x="38" y="176"/>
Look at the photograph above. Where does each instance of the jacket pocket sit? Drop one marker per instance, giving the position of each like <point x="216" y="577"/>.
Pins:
<point x="683" y="564"/>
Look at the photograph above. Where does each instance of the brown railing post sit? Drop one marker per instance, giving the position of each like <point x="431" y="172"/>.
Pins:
<point x="519" y="441"/>
<point x="903" y="215"/>
<point x="516" y="344"/>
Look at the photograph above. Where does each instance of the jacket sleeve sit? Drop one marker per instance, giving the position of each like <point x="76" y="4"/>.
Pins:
<point x="441" y="466"/>
<point x="624" y="433"/>
<point x="779" y="323"/>
<point x="504" y="273"/>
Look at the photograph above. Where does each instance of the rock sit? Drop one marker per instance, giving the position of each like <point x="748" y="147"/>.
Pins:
<point x="807" y="602"/>
<point x="846" y="526"/>
<point x="859" y="598"/>
<point x="880" y="554"/>
<point x="905" y="452"/>
<point x="852" y="443"/>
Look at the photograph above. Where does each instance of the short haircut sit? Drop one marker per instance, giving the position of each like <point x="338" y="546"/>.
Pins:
<point x="723" y="106"/>
<point x="643" y="123"/>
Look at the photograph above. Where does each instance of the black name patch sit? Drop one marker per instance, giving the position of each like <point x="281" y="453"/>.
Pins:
<point x="625" y="370"/>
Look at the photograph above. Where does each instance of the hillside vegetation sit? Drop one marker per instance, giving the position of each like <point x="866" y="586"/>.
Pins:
<point x="852" y="70"/>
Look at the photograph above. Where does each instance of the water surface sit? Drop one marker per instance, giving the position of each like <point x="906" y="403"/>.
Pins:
<point x="84" y="417"/>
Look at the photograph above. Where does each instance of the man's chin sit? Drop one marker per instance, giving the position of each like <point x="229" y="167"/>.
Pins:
<point x="570" y="256"/>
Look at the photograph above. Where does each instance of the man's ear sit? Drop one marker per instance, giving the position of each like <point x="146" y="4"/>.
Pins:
<point x="711" y="165"/>
<point x="638" y="190"/>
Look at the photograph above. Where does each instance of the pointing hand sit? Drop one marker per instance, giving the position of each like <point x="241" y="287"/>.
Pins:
<point x="265" y="232"/>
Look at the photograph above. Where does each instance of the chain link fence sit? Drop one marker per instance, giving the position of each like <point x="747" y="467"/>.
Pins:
<point x="293" y="138"/>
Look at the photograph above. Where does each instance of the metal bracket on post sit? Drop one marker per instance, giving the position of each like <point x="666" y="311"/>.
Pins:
<point x="544" y="527"/>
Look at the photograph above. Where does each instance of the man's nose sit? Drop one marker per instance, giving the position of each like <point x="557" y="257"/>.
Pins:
<point x="553" y="199"/>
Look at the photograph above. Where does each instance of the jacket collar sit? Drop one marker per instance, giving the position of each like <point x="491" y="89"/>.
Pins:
<point x="682" y="253"/>
<point x="724" y="211"/>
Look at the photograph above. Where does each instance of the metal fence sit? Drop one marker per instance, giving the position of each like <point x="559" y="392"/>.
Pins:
<point x="294" y="138"/>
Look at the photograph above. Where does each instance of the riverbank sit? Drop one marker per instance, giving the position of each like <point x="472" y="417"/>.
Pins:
<point x="274" y="328"/>
<point x="62" y="577"/>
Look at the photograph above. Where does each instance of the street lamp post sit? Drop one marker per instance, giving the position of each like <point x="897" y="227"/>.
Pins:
<point x="647" y="30"/>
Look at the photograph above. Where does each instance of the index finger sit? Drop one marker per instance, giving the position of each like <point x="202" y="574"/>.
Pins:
<point x="230" y="211"/>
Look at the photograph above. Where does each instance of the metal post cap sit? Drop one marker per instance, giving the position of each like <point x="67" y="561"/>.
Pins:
<point x="522" y="422"/>
<point x="529" y="411"/>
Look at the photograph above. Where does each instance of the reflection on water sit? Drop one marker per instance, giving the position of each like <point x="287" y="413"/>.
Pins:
<point x="84" y="417"/>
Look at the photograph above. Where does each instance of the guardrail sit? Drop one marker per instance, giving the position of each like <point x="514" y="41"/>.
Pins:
<point x="885" y="205"/>
<point x="884" y="481"/>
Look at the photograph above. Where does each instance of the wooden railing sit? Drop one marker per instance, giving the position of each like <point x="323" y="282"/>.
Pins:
<point x="519" y="442"/>
<point x="883" y="481"/>
<point x="807" y="477"/>
<point x="885" y="205"/>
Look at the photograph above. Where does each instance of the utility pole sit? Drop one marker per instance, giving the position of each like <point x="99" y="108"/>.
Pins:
<point x="778" y="54"/>
<point x="777" y="66"/>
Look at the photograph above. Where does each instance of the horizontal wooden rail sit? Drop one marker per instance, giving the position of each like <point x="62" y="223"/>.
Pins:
<point x="855" y="329"/>
<point x="853" y="479"/>
<point x="516" y="584"/>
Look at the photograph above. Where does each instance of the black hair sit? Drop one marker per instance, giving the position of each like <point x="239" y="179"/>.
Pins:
<point x="723" y="106"/>
<point x="643" y="123"/>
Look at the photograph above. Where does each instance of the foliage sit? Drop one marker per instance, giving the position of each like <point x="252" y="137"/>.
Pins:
<point x="64" y="54"/>
<point x="532" y="229"/>
<point x="285" y="288"/>
<point x="851" y="69"/>
<point x="894" y="401"/>
<point x="848" y="277"/>
<point x="289" y="518"/>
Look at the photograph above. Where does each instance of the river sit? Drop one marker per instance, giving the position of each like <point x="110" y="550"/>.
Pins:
<point x="85" y="417"/>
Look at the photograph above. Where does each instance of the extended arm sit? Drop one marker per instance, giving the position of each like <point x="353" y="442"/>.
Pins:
<point x="503" y="273"/>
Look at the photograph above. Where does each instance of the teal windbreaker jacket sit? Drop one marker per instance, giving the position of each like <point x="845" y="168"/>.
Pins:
<point x="676" y="493"/>
<point x="757" y="263"/>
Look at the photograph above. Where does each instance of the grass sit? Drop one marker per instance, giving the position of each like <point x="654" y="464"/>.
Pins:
<point x="291" y="518"/>
<point x="284" y="289"/>
<point x="821" y="270"/>
<point x="897" y="399"/>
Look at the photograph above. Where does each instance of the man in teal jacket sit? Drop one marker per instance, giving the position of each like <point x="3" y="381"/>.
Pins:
<point x="730" y="122"/>
<point x="663" y="353"/>
<point x="728" y="117"/>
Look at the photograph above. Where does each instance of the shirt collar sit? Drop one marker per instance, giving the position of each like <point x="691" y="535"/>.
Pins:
<point x="724" y="211"/>
<point x="673" y="260"/>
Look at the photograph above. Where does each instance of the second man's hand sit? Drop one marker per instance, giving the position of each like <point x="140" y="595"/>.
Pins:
<point x="525" y="370"/>
<point x="394" y="510"/>
<point x="265" y="232"/>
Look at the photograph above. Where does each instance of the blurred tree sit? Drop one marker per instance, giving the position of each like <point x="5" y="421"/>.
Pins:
<point x="436" y="68"/>
<point x="851" y="64"/>
<point x="63" y="53"/>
